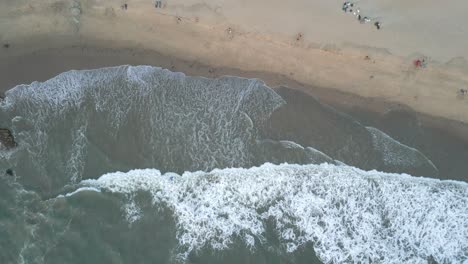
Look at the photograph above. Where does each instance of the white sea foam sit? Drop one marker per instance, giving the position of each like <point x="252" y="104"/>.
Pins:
<point x="82" y="189"/>
<point x="178" y="122"/>
<point x="290" y="145"/>
<point x="75" y="166"/>
<point x="350" y="215"/>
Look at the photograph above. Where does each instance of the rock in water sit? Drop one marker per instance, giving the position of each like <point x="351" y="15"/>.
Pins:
<point x="7" y="140"/>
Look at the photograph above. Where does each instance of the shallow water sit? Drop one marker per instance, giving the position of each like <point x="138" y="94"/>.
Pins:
<point x="194" y="188"/>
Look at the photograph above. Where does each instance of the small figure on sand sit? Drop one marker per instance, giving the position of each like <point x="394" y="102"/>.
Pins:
<point x="364" y="20"/>
<point x="377" y="25"/>
<point x="124" y="6"/>
<point x="299" y="36"/>
<point x="356" y="12"/>
<point x="158" y="4"/>
<point x="462" y="93"/>
<point x="347" y="5"/>
<point x="419" y="63"/>
<point x="230" y="32"/>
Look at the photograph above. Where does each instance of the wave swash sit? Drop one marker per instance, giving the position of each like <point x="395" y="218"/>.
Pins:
<point x="203" y="184"/>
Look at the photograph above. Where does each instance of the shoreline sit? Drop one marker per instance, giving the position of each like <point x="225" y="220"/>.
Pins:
<point x="28" y="67"/>
<point x="219" y="38"/>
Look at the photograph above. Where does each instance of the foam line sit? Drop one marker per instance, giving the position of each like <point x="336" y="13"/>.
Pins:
<point x="350" y="215"/>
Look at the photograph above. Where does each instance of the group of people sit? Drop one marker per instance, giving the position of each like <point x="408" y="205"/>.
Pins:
<point x="350" y="7"/>
<point x="157" y="4"/>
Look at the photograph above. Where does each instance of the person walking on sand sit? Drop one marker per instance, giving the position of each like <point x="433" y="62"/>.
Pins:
<point x="158" y="4"/>
<point x="377" y="24"/>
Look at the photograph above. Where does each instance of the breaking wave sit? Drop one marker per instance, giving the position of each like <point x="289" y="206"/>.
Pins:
<point x="348" y="214"/>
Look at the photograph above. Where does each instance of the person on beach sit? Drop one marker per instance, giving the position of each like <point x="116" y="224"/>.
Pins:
<point x="356" y="12"/>
<point x="377" y="25"/>
<point x="346" y="6"/>
<point x="158" y="4"/>
<point x="364" y="20"/>
<point x="419" y="63"/>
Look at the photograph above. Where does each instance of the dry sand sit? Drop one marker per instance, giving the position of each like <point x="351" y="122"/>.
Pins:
<point x="256" y="36"/>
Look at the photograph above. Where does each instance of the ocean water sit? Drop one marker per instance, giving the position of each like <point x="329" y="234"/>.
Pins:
<point x="143" y="165"/>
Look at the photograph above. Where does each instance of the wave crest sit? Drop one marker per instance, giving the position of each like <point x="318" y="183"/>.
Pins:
<point x="350" y="215"/>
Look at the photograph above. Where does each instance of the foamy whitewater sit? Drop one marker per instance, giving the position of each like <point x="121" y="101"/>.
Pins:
<point x="202" y="183"/>
<point x="350" y="215"/>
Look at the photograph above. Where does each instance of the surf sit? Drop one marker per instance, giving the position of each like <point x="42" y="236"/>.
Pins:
<point x="348" y="214"/>
<point x="201" y="167"/>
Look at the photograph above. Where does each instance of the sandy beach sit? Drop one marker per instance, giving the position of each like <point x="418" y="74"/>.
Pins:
<point x="282" y="44"/>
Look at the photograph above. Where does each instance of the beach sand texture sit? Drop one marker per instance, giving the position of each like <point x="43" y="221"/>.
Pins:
<point x="312" y="42"/>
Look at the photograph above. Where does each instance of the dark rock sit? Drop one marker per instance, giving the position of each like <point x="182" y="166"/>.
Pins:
<point x="6" y="138"/>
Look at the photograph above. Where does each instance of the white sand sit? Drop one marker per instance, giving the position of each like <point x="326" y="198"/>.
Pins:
<point x="262" y="37"/>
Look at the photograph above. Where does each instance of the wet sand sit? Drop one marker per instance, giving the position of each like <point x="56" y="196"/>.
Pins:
<point x="43" y="64"/>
